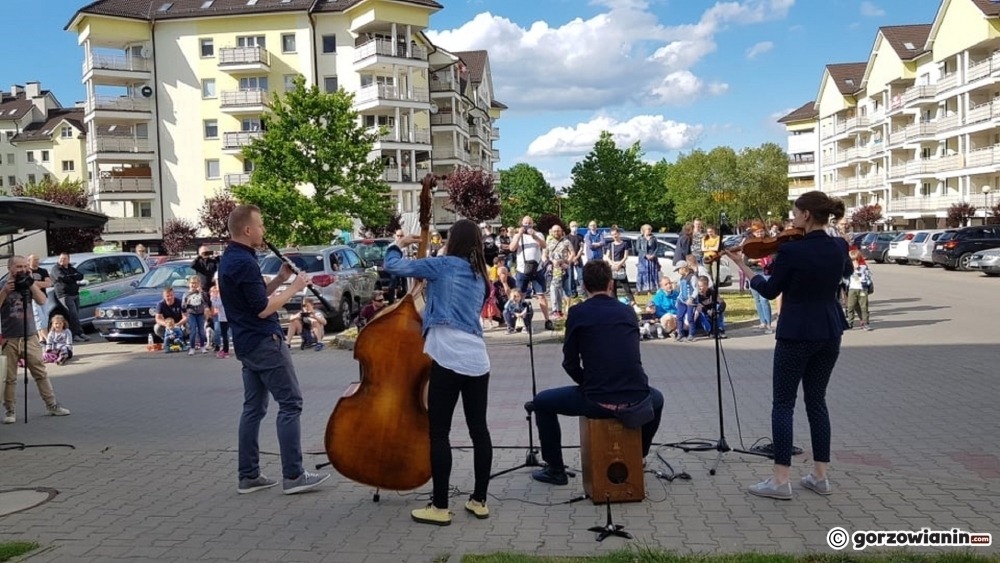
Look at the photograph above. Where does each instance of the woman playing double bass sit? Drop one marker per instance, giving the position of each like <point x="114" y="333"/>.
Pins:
<point x="454" y="341"/>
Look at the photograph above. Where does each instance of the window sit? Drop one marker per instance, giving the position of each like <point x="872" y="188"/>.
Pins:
<point x="68" y="166"/>
<point x="330" y="83"/>
<point x="250" y="124"/>
<point x="288" y="43"/>
<point x="31" y="178"/>
<point x="208" y="47"/>
<point x="66" y="132"/>
<point x="12" y="181"/>
<point x="45" y="177"/>
<point x="9" y="135"/>
<point x="250" y="41"/>
<point x="45" y="156"/>
<point x="253" y="83"/>
<point x="142" y="209"/>
<point x="211" y="129"/>
<point x="208" y="88"/>
<point x="329" y="43"/>
<point x="31" y="156"/>
<point x="212" y="169"/>
<point x="10" y="158"/>
<point x="90" y="271"/>
<point x="1" y="181"/>
<point x="290" y="82"/>
<point x="247" y="167"/>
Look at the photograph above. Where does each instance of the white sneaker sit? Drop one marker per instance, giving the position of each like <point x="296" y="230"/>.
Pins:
<point x="204" y="349"/>
<point x="58" y="410"/>
<point x="191" y="352"/>
<point x="9" y="417"/>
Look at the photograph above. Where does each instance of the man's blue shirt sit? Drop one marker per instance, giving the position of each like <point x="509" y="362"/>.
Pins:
<point x="244" y="296"/>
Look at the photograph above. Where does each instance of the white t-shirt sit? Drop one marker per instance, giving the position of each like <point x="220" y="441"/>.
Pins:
<point x="457" y="350"/>
<point x="528" y="250"/>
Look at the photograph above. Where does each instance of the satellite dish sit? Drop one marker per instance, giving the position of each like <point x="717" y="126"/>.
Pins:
<point x="434" y="107"/>
<point x="146" y="91"/>
<point x="146" y="52"/>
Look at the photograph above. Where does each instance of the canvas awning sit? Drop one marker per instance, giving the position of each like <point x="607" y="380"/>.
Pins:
<point x="29" y="214"/>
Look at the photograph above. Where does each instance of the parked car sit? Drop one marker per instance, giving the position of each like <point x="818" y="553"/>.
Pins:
<point x="345" y="280"/>
<point x="875" y="246"/>
<point x="105" y="277"/>
<point x="986" y="261"/>
<point x="956" y="249"/>
<point x="899" y="247"/>
<point x="856" y="238"/>
<point x="922" y="247"/>
<point x="131" y="317"/>
<point x="372" y="251"/>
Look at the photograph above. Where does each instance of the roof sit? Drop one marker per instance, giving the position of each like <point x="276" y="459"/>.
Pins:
<point x="15" y="107"/>
<point x="847" y="76"/>
<point x="498" y="105"/>
<point x="805" y="111"/>
<point x="178" y="9"/>
<point x="989" y="8"/>
<point x="908" y="41"/>
<point x="475" y="62"/>
<point x="43" y="130"/>
<point x="26" y="213"/>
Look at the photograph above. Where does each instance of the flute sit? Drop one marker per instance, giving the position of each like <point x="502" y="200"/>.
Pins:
<point x="326" y="304"/>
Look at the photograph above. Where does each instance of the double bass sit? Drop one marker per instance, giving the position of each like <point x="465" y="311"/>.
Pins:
<point x="378" y="433"/>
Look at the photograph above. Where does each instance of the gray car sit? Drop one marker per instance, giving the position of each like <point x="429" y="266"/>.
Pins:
<point x="986" y="261"/>
<point x="345" y="280"/>
<point x="922" y="246"/>
<point x="106" y="275"/>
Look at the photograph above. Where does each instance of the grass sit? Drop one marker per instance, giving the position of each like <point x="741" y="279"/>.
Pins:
<point x="739" y="307"/>
<point x="12" y="549"/>
<point x="644" y="555"/>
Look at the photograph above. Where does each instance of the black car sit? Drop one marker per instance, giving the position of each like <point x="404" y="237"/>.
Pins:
<point x="955" y="249"/>
<point x="372" y="251"/>
<point x="132" y="317"/>
<point x="875" y="246"/>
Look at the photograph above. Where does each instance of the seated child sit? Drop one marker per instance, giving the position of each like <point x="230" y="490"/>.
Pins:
<point x="517" y="307"/>
<point x="59" y="342"/>
<point x="705" y="309"/>
<point x="665" y="302"/>
<point x="649" y="323"/>
<point x="173" y="337"/>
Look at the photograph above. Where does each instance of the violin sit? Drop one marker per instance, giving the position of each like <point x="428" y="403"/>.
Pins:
<point x="760" y="247"/>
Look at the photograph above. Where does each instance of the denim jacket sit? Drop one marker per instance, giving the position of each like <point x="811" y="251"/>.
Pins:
<point x="454" y="293"/>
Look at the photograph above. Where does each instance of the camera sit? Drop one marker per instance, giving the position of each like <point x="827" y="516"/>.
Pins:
<point x="23" y="282"/>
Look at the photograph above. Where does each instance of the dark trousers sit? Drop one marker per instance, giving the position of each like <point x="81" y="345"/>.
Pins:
<point x="570" y="401"/>
<point x="810" y="362"/>
<point x="442" y="397"/>
<point x="623" y="282"/>
<point x="72" y="305"/>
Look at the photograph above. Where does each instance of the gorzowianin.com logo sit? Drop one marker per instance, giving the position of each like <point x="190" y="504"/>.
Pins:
<point x="839" y="538"/>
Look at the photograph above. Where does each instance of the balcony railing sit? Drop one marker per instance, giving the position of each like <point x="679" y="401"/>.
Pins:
<point x="244" y="98"/>
<point x="801" y="167"/>
<point x="979" y="69"/>
<point x="918" y="167"/>
<point x="450" y="119"/>
<point x="897" y="169"/>
<point x="450" y="153"/>
<point x="388" y="48"/>
<point x="924" y="129"/>
<point x="949" y="122"/>
<point x="236" y="56"/>
<point x="125" y="185"/>
<point x="115" y="62"/>
<point x="952" y="162"/>
<point x="118" y="103"/>
<point x="980" y="113"/>
<point x="923" y="203"/>
<point x="391" y="92"/>
<point x="239" y="139"/>
<point x="986" y="156"/>
<point x="419" y="136"/>
<point x="111" y="143"/>
<point x="131" y="225"/>
<point x="495" y="134"/>
<point x="947" y="82"/>
<point x="856" y="122"/>
<point x="914" y="93"/>
<point x="236" y="179"/>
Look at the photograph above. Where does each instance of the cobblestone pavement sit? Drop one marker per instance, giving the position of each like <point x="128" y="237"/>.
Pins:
<point x="153" y="473"/>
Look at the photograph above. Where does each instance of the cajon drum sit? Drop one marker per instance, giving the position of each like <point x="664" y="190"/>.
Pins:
<point x="612" y="461"/>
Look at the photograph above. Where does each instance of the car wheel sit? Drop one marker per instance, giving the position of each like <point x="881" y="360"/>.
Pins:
<point x="949" y="268"/>
<point x="927" y="264"/>
<point x="991" y="274"/>
<point x="884" y="258"/>
<point x="342" y="319"/>
<point x="963" y="261"/>
<point x="902" y="262"/>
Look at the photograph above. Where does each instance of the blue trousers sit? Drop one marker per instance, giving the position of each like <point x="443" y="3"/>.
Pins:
<point x="685" y="316"/>
<point x="267" y="368"/>
<point x="570" y="401"/>
<point x="810" y="362"/>
<point x="763" y="307"/>
<point x="196" y="328"/>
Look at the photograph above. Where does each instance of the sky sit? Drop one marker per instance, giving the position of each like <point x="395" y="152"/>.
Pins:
<point x="675" y="75"/>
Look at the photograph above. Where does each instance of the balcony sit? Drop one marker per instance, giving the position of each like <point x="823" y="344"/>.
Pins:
<point x="373" y="94"/>
<point x="375" y="51"/>
<point x="951" y="163"/>
<point x="128" y="108"/>
<point x="947" y="82"/>
<point x="442" y="119"/>
<point x="231" y="180"/>
<point x="244" y="101"/>
<point x="495" y="134"/>
<point x="979" y="114"/>
<point x="119" y="148"/>
<point x="922" y="93"/>
<point x="986" y="156"/>
<point x="419" y="136"/>
<point x="983" y="68"/>
<point x="236" y="140"/>
<point x="921" y="167"/>
<point x="115" y="69"/>
<point x="873" y="181"/>
<point x="450" y="153"/>
<point x="236" y="60"/>
<point x="855" y="123"/>
<point x="796" y="191"/>
<point x="129" y="185"/>
<point x="922" y="203"/>
<point x="125" y="225"/>
<point x="914" y="132"/>
<point x="948" y="123"/>
<point x="443" y="84"/>
<point x="799" y="168"/>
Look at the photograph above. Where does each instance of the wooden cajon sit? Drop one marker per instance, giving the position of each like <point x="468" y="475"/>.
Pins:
<point x="612" y="461"/>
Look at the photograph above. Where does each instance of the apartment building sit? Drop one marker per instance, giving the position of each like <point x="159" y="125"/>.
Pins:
<point x="176" y="89"/>
<point x="916" y="128"/>
<point x="39" y="139"/>
<point x="802" y="148"/>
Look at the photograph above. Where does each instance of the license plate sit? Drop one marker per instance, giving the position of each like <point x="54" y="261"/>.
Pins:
<point x="938" y="246"/>
<point x="128" y="324"/>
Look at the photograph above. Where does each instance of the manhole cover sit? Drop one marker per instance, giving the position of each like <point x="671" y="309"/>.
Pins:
<point x="16" y="500"/>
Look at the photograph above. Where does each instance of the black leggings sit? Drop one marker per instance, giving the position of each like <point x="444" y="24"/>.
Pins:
<point x="442" y="397"/>
<point x="628" y="289"/>
<point x="810" y="362"/>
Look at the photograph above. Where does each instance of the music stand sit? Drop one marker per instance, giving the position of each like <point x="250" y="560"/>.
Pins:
<point x="610" y="528"/>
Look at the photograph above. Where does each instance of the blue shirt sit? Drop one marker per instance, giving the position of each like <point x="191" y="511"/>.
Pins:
<point x="244" y="296"/>
<point x="589" y="240"/>
<point x="665" y="302"/>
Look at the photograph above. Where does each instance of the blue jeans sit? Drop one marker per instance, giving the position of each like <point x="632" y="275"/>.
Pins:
<point x="196" y="328"/>
<point x="570" y="401"/>
<point x="685" y="315"/>
<point x="763" y="307"/>
<point x="706" y="324"/>
<point x="221" y="335"/>
<point x="267" y="368"/>
<point x="810" y="362"/>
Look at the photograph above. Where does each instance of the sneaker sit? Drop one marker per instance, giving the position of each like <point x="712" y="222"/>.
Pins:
<point x="549" y="325"/>
<point x="550" y="476"/>
<point x="258" y="483"/>
<point x="479" y="509"/>
<point x="767" y="488"/>
<point x="768" y="331"/>
<point x="510" y="331"/>
<point x="191" y="352"/>
<point x="204" y="349"/>
<point x="519" y="329"/>
<point x="303" y="482"/>
<point x="81" y="338"/>
<point x="57" y="410"/>
<point x="690" y="338"/>
<point x="432" y="515"/>
<point x="319" y="346"/>
<point x="868" y="328"/>
<point x="816" y="486"/>
<point x="9" y="417"/>
<point x="722" y="336"/>
<point x="222" y="355"/>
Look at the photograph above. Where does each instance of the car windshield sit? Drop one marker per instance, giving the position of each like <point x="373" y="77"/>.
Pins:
<point x="310" y="263"/>
<point x="900" y="236"/>
<point x="370" y="250"/>
<point x="169" y="275"/>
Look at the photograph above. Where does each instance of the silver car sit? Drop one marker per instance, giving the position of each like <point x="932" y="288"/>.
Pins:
<point x="345" y="280"/>
<point x="922" y="246"/>
<point x="986" y="261"/>
<point x="106" y="275"/>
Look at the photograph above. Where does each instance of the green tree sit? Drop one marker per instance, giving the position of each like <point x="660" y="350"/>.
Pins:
<point x="524" y="191"/>
<point x="70" y="193"/>
<point x="314" y="140"/>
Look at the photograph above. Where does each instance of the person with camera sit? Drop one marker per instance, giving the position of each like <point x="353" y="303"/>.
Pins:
<point x="206" y="265"/>
<point x="17" y="324"/>
<point x="67" y="285"/>
<point x="527" y="245"/>
<point x="44" y="281"/>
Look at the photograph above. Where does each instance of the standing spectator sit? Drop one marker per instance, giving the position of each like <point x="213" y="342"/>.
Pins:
<point x="435" y="245"/>
<point x="168" y="308"/>
<point x="648" y="266"/>
<point x="617" y="254"/>
<point x="527" y="246"/>
<point x="67" y="286"/>
<point x="697" y="236"/>
<point x="14" y="319"/>
<point x="593" y="242"/>
<point x="221" y="323"/>
<point x="206" y="265"/>
<point x="490" y="248"/>
<point x="144" y="255"/>
<point x="575" y="269"/>
<point x="503" y="241"/>
<point x="43" y="281"/>
<point x="758" y="267"/>
<point x="502" y="287"/>
<point x="858" y="288"/>
<point x="683" y="247"/>
<point x="196" y="305"/>
<point x="397" y="284"/>
<point x="560" y="253"/>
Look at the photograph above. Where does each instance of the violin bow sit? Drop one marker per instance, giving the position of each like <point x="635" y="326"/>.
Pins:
<point x="298" y="272"/>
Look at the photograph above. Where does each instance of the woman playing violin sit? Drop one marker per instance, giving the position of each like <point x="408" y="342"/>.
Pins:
<point x="808" y="271"/>
<point x="461" y="367"/>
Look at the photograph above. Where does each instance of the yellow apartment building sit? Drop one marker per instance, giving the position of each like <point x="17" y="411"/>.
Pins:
<point x="915" y="128"/>
<point x="176" y="89"/>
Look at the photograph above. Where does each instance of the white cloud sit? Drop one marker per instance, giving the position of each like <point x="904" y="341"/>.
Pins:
<point x="759" y="49"/>
<point x="870" y="10"/>
<point x="655" y="134"/>
<point x="620" y="56"/>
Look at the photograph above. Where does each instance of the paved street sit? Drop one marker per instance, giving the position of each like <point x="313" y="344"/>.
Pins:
<point x="153" y="475"/>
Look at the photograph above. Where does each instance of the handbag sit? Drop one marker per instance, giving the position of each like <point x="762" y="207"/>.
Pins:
<point x="871" y="287"/>
<point x="530" y="267"/>
<point x="618" y="274"/>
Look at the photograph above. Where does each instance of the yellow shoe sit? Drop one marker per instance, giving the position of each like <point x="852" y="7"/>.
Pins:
<point x="479" y="509"/>
<point x="432" y="515"/>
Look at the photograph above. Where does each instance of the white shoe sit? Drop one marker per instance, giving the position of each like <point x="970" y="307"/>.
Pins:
<point x="191" y="352"/>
